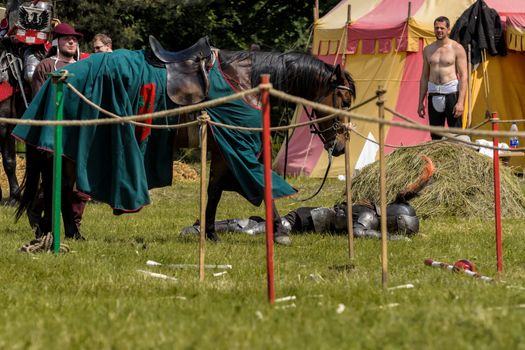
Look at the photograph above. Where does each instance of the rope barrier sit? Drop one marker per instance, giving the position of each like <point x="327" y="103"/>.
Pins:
<point x="332" y="113"/>
<point x="446" y="134"/>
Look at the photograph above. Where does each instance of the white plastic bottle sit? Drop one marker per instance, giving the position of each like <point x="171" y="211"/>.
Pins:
<point x="514" y="142"/>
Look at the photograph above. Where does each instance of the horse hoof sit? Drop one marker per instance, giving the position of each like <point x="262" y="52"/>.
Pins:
<point x="282" y="240"/>
<point x="77" y="236"/>
<point x="11" y="202"/>
<point x="212" y="236"/>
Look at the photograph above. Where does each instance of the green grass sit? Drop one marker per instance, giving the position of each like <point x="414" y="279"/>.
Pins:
<point x="94" y="297"/>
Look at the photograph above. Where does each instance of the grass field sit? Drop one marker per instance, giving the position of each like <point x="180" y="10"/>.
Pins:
<point x="94" y="297"/>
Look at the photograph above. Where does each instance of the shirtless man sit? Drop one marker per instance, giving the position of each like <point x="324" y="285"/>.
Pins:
<point x="444" y="77"/>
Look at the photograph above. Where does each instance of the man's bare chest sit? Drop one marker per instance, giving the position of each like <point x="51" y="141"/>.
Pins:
<point x="442" y="57"/>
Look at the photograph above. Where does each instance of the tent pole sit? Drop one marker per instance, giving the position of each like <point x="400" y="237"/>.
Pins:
<point x="316" y="11"/>
<point x="469" y="84"/>
<point x="345" y="34"/>
<point x="409" y="9"/>
<point x="486" y="82"/>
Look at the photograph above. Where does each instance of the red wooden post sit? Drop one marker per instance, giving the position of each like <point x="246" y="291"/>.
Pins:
<point x="497" y="195"/>
<point x="267" y="158"/>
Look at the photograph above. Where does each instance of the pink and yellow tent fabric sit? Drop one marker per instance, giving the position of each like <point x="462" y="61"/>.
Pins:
<point x="382" y="45"/>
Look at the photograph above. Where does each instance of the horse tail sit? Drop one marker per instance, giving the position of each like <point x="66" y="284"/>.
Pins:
<point x="31" y="181"/>
<point x="413" y="189"/>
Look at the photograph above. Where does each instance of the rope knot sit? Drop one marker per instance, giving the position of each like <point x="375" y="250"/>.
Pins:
<point x="204" y="118"/>
<point x="268" y="86"/>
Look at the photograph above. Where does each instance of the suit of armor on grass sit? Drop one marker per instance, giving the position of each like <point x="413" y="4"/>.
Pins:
<point x="402" y="220"/>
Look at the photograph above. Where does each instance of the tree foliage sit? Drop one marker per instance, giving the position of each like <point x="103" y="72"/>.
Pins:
<point x="232" y="24"/>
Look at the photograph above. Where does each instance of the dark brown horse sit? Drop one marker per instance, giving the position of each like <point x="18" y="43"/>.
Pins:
<point x="14" y="93"/>
<point x="296" y="73"/>
<point x="7" y="149"/>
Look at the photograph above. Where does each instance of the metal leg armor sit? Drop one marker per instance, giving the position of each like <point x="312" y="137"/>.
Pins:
<point x="251" y="226"/>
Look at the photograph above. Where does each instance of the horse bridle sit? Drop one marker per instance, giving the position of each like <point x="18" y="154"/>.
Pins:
<point x="314" y="129"/>
<point x="336" y="126"/>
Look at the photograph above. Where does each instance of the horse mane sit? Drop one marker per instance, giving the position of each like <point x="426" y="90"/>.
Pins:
<point x="296" y="73"/>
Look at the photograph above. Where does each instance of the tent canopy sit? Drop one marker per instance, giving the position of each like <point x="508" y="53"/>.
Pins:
<point x="382" y="45"/>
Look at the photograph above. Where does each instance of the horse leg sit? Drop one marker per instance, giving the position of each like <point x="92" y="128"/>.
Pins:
<point x="218" y="178"/>
<point x="280" y="233"/>
<point x="45" y="221"/>
<point x="9" y="162"/>
<point x="214" y="196"/>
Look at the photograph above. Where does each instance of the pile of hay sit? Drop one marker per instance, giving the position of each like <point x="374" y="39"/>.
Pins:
<point x="462" y="184"/>
<point x="184" y="172"/>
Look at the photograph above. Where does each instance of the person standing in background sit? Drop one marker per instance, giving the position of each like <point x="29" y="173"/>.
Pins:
<point x="101" y="43"/>
<point x="444" y="77"/>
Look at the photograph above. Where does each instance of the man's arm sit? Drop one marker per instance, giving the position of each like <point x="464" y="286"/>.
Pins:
<point x="423" y="85"/>
<point x="461" y="69"/>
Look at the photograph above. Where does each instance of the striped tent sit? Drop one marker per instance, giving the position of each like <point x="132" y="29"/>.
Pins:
<point x="380" y="42"/>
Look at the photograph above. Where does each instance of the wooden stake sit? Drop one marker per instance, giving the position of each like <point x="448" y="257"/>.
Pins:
<point x="202" y="241"/>
<point x="267" y="158"/>
<point x="497" y="196"/>
<point x="382" y="187"/>
<point x="348" y="172"/>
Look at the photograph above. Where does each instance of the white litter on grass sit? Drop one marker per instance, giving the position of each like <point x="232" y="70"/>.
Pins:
<point x="403" y="286"/>
<point x="181" y="297"/>
<point x="283" y="299"/>
<point x="316" y="277"/>
<point x="515" y="287"/>
<point x="340" y="308"/>
<point x="218" y="274"/>
<point x="341" y="177"/>
<point x="388" y="306"/>
<point x="188" y="266"/>
<point x="315" y="296"/>
<point x="157" y="275"/>
<point x="518" y="306"/>
<point x="288" y="306"/>
<point x="259" y="315"/>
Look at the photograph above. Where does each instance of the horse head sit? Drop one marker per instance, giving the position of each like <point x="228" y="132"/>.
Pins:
<point x="340" y="94"/>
